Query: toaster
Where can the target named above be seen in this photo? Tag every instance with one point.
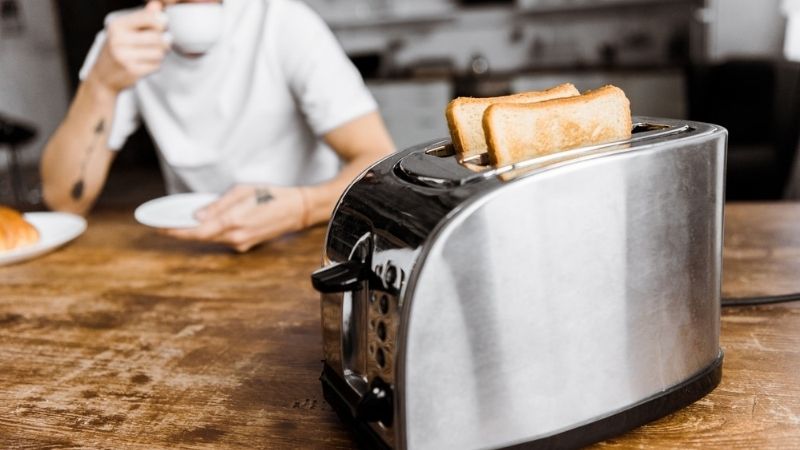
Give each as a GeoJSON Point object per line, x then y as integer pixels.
{"type": "Point", "coordinates": [551, 303]}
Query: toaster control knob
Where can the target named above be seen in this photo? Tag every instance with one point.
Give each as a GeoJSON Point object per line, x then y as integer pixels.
{"type": "Point", "coordinates": [376, 404]}
{"type": "Point", "coordinates": [391, 275]}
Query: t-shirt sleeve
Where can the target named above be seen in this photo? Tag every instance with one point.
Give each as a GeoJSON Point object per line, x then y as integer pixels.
{"type": "Point", "coordinates": [126, 113]}
{"type": "Point", "coordinates": [325, 83]}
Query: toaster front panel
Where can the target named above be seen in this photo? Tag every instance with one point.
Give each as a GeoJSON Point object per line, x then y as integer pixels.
{"type": "Point", "coordinates": [564, 298]}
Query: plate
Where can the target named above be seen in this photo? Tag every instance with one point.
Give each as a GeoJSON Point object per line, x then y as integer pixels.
{"type": "Point", "coordinates": [55, 230]}
{"type": "Point", "coordinates": [173, 211]}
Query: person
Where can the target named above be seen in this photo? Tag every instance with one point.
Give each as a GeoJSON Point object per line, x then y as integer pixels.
{"type": "Point", "coordinates": [274, 117]}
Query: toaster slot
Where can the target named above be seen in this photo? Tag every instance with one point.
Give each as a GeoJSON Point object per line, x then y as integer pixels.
{"type": "Point", "coordinates": [639, 131]}
{"type": "Point", "coordinates": [437, 165]}
{"type": "Point", "coordinates": [642, 133]}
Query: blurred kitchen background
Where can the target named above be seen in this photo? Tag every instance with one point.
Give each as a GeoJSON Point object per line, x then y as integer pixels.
{"type": "Point", "coordinates": [719, 61]}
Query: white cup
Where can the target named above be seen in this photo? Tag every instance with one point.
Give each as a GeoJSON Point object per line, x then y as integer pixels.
{"type": "Point", "coordinates": [194, 27]}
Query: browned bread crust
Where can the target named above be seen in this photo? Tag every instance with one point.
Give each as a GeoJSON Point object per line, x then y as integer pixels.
{"type": "Point", "coordinates": [464, 115]}
{"type": "Point", "coordinates": [515, 132]}
{"type": "Point", "coordinates": [15, 231]}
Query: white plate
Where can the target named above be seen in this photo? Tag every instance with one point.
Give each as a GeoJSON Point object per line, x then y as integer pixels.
{"type": "Point", "coordinates": [55, 230]}
{"type": "Point", "coordinates": [173, 211]}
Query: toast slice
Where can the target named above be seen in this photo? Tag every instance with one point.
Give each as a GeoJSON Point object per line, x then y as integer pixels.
{"type": "Point", "coordinates": [517, 132]}
{"type": "Point", "coordinates": [464, 116]}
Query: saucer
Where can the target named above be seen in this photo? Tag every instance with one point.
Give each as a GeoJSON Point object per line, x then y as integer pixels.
{"type": "Point", "coordinates": [173, 211]}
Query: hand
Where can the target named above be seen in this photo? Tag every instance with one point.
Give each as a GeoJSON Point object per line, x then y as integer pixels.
{"type": "Point", "coordinates": [247, 215]}
{"type": "Point", "coordinates": [134, 48]}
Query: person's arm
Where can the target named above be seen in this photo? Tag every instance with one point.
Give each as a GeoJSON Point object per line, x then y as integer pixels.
{"type": "Point", "coordinates": [359, 143]}
{"type": "Point", "coordinates": [76, 159]}
{"type": "Point", "coordinates": [250, 214]}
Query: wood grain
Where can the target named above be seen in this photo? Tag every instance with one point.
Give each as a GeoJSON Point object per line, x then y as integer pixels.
{"type": "Point", "coordinates": [125, 339]}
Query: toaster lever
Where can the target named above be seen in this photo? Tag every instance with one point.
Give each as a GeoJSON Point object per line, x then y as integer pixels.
{"type": "Point", "coordinates": [339, 277]}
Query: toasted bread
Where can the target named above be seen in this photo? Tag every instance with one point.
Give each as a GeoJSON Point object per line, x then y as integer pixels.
{"type": "Point", "coordinates": [15, 231]}
{"type": "Point", "coordinates": [516, 132]}
{"type": "Point", "coordinates": [464, 116]}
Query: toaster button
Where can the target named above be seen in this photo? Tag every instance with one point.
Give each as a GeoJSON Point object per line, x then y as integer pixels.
{"type": "Point", "coordinates": [376, 404]}
{"type": "Point", "coordinates": [391, 275]}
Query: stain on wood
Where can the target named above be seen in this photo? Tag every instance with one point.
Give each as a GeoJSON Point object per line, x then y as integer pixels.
{"type": "Point", "coordinates": [125, 339]}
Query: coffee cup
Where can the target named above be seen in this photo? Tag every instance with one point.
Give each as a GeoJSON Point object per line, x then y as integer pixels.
{"type": "Point", "coordinates": [194, 28]}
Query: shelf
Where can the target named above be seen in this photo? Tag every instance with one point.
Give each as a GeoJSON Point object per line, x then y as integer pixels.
{"type": "Point", "coordinates": [604, 7]}
{"type": "Point", "coordinates": [384, 19]}
{"type": "Point", "coordinates": [393, 21]}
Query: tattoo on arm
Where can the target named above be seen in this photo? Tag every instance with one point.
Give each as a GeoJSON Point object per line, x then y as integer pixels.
{"type": "Point", "coordinates": [263, 195]}
{"type": "Point", "coordinates": [77, 188]}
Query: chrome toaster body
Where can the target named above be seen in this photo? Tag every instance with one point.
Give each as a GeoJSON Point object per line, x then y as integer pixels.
{"type": "Point", "coordinates": [555, 302]}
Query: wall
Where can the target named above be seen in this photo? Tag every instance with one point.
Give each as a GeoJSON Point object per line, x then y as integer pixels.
{"type": "Point", "coordinates": [745, 28]}
{"type": "Point", "coordinates": [33, 86]}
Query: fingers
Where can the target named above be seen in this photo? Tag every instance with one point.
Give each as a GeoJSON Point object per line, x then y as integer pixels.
{"type": "Point", "coordinates": [231, 198]}
{"type": "Point", "coordinates": [148, 39]}
{"type": "Point", "coordinates": [139, 62]}
{"type": "Point", "coordinates": [222, 217]}
{"type": "Point", "coordinates": [154, 5]}
{"type": "Point", "coordinates": [239, 221]}
{"type": "Point", "coordinates": [122, 34]}
{"type": "Point", "coordinates": [149, 18]}
{"type": "Point", "coordinates": [209, 230]}
{"type": "Point", "coordinates": [142, 55]}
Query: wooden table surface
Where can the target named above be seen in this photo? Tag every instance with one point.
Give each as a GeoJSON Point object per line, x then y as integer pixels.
{"type": "Point", "coordinates": [125, 339]}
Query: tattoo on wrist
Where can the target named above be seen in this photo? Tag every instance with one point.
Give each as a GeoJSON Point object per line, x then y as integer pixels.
{"type": "Point", "coordinates": [263, 195]}
{"type": "Point", "coordinates": [77, 188]}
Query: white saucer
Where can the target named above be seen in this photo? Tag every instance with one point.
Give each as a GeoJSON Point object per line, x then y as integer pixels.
{"type": "Point", "coordinates": [55, 229]}
{"type": "Point", "coordinates": [173, 211]}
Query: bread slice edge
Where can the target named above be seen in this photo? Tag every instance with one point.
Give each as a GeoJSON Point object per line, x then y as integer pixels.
{"type": "Point", "coordinates": [460, 129]}
{"type": "Point", "coordinates": [506, 142]}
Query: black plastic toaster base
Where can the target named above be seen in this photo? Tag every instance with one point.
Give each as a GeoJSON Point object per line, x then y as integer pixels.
{"type": "Point", "coordinates": [334, 389]}
{"type": "Point", "coordinates": [651, 409]}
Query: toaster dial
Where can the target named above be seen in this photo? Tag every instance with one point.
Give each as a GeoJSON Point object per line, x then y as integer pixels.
{"type": "Point", "coordinates": [393, 277]}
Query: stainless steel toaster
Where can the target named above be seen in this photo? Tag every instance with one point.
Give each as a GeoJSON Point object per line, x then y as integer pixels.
{"type": "Point", "coordinates": [550, 303]}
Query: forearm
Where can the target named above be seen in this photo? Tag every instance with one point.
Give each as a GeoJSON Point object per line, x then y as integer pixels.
{"type": "Point", "coordinates": [360, 142]}
{"type": "Point", "coordinates": [76, 158]}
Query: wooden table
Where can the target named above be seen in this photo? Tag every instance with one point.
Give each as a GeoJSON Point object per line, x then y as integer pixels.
{"type": "Point", "coordinates": [125, 339]}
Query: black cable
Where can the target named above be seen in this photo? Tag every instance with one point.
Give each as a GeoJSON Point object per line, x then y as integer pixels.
{"type": "Point", "coordinates": [760, 300]}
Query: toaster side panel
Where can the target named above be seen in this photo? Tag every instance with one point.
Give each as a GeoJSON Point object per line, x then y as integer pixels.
{"type": "Point", "coordinates": [375, 236]}
{"type": "Point", "coordinates": [565, 297]}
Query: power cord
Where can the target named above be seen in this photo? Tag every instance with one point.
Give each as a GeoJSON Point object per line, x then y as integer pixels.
{"type": "Point", "coordinates": [760, 300]}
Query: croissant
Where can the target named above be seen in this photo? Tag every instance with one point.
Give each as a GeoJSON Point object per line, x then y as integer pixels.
{"type": "Point", "coordinates": [15, 231]}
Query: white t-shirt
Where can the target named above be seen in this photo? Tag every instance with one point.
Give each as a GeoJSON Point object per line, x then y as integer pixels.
{"type": "Point", "coordinates": [252, 109]}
